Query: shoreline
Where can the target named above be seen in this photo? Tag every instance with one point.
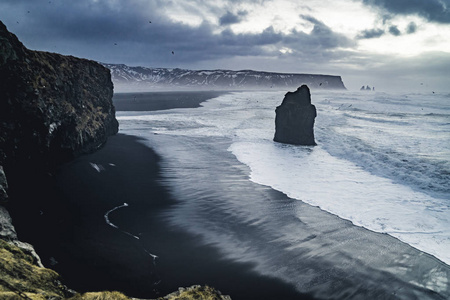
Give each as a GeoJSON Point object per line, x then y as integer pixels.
{"type": "Point", "coordinates": [139, 101]}
{"type": "Point", "coordinates": [93, 255]}
{"type": "Point", "coordinates": [72, 237]}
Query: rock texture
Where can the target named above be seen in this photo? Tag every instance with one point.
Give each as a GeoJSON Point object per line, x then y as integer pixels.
{"type": "Point", "coordinates": [294, 120]}
{"type": "Point", "coordinates": [52, 107]}
{"type": "Point", "coordinates": [196, 292]}
{"type": "Point", "coordinates": [3, 186]}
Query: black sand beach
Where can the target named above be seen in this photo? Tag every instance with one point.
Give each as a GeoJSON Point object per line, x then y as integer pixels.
{"type": "Point", "coordinates": [149, 101]}
{"type": "Point", "coordinates": [69, 230]}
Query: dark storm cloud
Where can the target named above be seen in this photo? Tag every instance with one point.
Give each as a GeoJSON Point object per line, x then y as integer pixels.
{"type": "Point", "coordinates": [143, 33]}
{"type": "Point", "coordinates": [394, 30]}
{"type": "Point", "coordinates": [371, 33]}
{"type": "Point", "coordinates": [432, 10]}
{"type": "Point", "coordinates": [230, 18]}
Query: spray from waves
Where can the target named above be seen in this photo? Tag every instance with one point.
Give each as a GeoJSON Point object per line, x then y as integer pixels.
{"type": "Point", "coordinates": [154, 257]}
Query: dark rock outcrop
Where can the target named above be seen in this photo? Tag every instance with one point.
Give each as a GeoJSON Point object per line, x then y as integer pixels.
{"type": "Point", "coordinates": [52, 107]}
{"type": "Point", "coordinates": [294, 120]}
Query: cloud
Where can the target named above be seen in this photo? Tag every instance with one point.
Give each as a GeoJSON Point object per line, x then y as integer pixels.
{"type": "Point", "coordinates": [393, 29]}
{"type": "Point", "coordinates": [230, 18]}
{"type": "Point", "coordinates": [432, 10]}
{"type": "Point", "coordinates": [411, 28]}
{"type": "Point", "coordinates": [115, 32]}
{"type": "Point", "coordinates": [370, 33]}
{"type": "Point", "coordinates": [324, 37]}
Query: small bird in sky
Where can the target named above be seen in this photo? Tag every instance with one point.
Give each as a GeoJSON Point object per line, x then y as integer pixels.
{"type": "Point", "coordinates": [149, 21]}
{"type": "Point", "coordinates": [173, 53]}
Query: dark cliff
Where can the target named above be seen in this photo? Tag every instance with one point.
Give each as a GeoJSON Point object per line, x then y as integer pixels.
{"type": "Point", "coordinates": [294, 120]}
{"type": "Point", "coordinates": [52, 107]}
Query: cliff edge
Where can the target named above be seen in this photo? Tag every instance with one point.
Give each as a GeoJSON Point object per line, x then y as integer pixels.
{"type": "Point", "coordinates": [52, 108]}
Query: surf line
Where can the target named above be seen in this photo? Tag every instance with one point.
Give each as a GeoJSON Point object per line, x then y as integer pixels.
{"type": "Point", "coordinates": [125, 232]}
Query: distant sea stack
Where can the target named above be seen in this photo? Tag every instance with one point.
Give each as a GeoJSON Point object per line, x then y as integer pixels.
{"type": "Point", "coordinates": [52, 107]}
{"type": "Point", "coordinates": [294, 120]}
{"type": "Point", "coordinates": [142, 78]}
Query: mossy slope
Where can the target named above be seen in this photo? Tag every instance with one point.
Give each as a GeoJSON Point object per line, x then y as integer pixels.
{"type": "Point", "coordinates": [21, 278]}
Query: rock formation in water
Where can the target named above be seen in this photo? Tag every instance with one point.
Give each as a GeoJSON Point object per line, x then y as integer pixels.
{"type": "Point", "coordinates": [294, 120]}
{"type": "Point", "coordinates": [52, 108]}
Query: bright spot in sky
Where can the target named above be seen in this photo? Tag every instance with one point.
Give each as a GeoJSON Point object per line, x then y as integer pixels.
{"type": "Point", "coordinates": [285, 50]}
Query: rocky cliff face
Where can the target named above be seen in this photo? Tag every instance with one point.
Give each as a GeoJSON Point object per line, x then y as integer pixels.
{"type": "Point", "coordinates": [294, 120]}
{"type": "Point", "coordinates": [52, 107]}
{"type": "Point", "coordinates": [125, 77]}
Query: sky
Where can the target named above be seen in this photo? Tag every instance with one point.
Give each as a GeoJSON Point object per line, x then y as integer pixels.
{"type": "Point", "coordinates": [391, 45]}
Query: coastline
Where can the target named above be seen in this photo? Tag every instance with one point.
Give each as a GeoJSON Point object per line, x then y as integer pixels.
{"type": "Point", "coordinates": [338, 257]}
{"type": "Point", "coordinates": [72, 237]}
{"type": "Point", "coordinates": [92, 255]}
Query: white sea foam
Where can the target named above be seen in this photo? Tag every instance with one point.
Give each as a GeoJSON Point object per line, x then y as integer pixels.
{"type": "Point", "coordinates": [383, 161]}
{"type": "Point", "coordinates": [110, 211]}
{"type": "Point", "coordinates": [107, 220]}
{"type": "Point", "coordinates": [342, 188]}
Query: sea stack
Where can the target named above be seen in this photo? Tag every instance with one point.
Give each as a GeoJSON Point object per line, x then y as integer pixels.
{"type": "Point", "coordinates": [294, 120]}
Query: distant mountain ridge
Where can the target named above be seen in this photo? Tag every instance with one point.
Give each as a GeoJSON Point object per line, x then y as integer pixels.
{"type": "Point", "coordinates": [125, 78]}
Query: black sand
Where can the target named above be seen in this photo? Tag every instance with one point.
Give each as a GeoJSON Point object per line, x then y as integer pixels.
{"type": "Point", "coordinates": [161, 100]}
{"type": "Point", "coordinates": [64, 219]}
{"type": "Point", "coordinates": [63, 216]}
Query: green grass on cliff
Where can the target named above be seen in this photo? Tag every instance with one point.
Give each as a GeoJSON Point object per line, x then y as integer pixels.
{"type": "Point", "coordinates": [100, 296]}
{"type": "Point", "coordinates": [196, 293]}
{"type": "Point", "coordinates": [21, 279]}
{"type": "Point", "coordinates": [191, 293]}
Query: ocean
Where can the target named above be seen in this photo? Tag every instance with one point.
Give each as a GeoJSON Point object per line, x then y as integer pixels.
{"type": "Point", "coordinates": [364, 214]}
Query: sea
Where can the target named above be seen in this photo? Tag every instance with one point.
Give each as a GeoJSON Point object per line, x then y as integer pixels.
{"type": "Point", "coordinates": [364, 214]}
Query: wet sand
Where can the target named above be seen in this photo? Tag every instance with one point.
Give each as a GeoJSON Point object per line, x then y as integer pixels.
{"type": "Point", "coordinates": [70, 233]}
{"type": "Point", "coordinates": [149, 101]}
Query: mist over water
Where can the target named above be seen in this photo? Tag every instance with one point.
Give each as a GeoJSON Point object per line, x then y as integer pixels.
{"type": "Point", "coordinates": [382, 162]}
